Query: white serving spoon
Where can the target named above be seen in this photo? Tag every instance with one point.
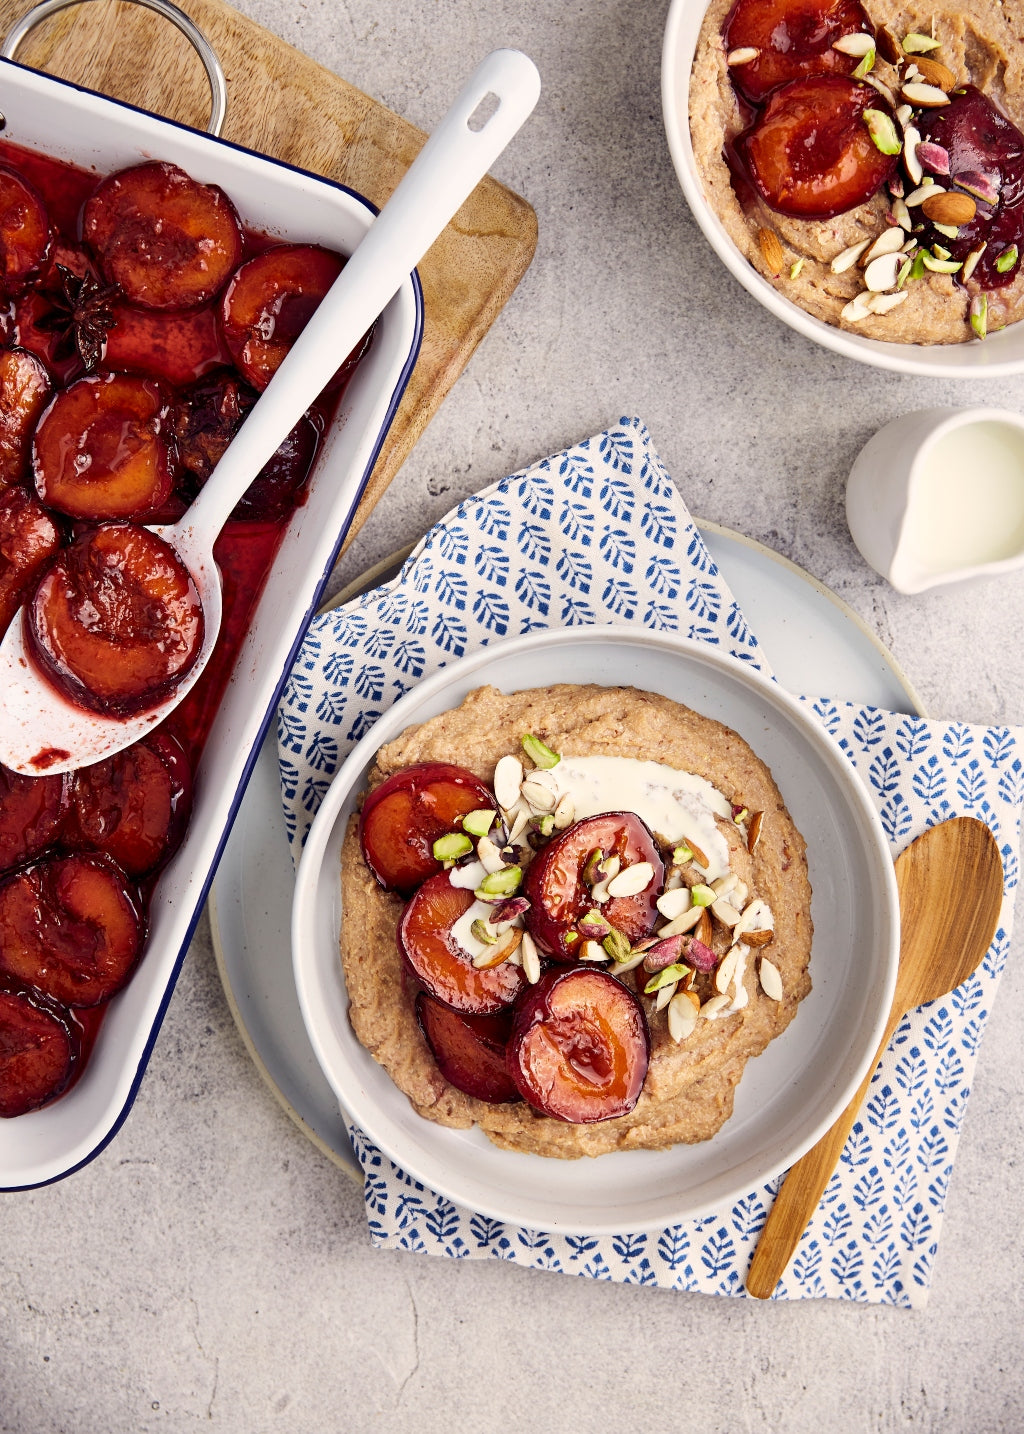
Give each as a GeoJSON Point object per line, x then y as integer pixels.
{"type": "Point", "coordinates": [40, 730]}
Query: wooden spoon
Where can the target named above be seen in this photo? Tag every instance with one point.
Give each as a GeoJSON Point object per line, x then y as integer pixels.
{"type": "Point", "coordinates": [950, 882]}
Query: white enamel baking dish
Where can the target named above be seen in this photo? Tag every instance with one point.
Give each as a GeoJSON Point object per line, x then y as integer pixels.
{"type": "Point", "coordinates": [93, 131]}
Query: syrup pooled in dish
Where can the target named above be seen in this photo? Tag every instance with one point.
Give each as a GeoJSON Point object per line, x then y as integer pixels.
{"type": "Point", "coordinates": [869, 161]}
{"type": "Point", "coordinates": [604, 937]}
{"type": "Point", "coordinates": [119, 392]}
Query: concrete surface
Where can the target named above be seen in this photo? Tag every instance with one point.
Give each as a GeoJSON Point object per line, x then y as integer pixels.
{"type": "Point", "coordinates": [211, 1268]}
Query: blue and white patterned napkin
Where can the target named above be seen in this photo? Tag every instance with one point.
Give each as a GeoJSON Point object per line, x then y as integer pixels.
{"type": "Point", "coordinates": [598, 534]}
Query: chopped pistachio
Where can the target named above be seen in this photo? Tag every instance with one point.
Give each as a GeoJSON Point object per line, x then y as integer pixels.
{"type": "Point", "coordinates": [905, 273]}
{"type": "Point", "coordinates": [882, 131]}
{"type": "Point", "coordinates": [979, 315]}
{"type": "Point", "coordinates": [702, 895]}
{"type": "Point", "coordinates": [451, 846]}
{"type": "Point", "coordinates": [794, 269]}
{"type": "Point", "coordinates": [681, 854]}
{"type": "Point", "coordinates": [940, 251]}
{"type": "Point", "coordinates": [571, 937]}
{"type": "Point", "coordinates": [590, 873]}
{"type": "Point", "coordinates": [478, 823]}
{"type": "Point", "coordinates": [865, 67]}
{"type": "Point", "coordinates": [544, 824]}
{"type": "Point", "coordinates": [917, 271]}
{"type": "Point", "coordinates": [668, 977]}
{"type": "Point", "coordinates": [617, 945]}
{"type": "Point", "coordinates": [484, 931]}
{"type": "Point", "coordinates": [940, 266]}
{"type": "Point", "coordinates": [539, 753]}
{"type": "Point", "coordinates": [948, 231]}
{"type": "Point", "coordinates": [1007, 259]}
{"type": "Point", "coordinates": [594, 925]}
{"type": "Point", "coordinates": [916, 44]}
{"type": "Point", "coordinates": [500, 883]}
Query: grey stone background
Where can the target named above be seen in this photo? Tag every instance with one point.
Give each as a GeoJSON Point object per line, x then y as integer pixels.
{"type": "Point", "coordinates": [211, 1267]}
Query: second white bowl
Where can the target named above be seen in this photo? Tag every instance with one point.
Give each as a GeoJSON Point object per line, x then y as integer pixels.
{"type": "Point", "coordinates": [1001, 353]}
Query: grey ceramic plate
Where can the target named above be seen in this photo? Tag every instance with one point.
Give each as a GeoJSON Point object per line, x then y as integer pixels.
{"type": "Point", "coordinates": [815, 643]}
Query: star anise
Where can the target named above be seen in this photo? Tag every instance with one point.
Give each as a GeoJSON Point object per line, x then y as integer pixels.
{"type": "Point", "coordinates": [81, 314]}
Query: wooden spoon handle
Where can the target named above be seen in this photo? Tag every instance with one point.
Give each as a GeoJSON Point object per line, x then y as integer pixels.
{"type": "Point", "coordinates": [804, 1186]}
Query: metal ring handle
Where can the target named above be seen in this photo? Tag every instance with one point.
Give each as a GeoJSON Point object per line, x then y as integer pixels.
{"type": "Point", "coordinates": [198, 41]}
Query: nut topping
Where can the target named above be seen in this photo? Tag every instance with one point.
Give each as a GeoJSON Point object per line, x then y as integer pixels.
{"type": "Point", "coordinates": [771, 251]}
{"type": "Point", "coordinates": [508, 778]}
{"type": "Point", "coordinates": [858, 44]}
{"type": "Point", "coordinates": [632, 880]}
{"type": "Point", "coordinates": [924, 97]}
{"type": "Point", "coordinates": [771, 981]}
{"type": "Point", "coordinates": [949, 208]}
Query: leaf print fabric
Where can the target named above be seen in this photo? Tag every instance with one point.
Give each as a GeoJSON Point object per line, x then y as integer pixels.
{"type": "Point", "coordinates": [595, 535]}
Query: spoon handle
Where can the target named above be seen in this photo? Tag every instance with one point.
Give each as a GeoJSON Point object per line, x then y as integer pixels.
{"type": "Point", "coordinates": [804, 1186]}
{"type": "Point", "coordinates": [448, 168]}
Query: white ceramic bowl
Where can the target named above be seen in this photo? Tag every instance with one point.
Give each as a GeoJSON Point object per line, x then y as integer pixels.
{"type": "Point", "coordinates": [1001, 353]}
{"type": "Point", "coordinates": [90, 130]}
{"type": "Point", "coordinates": [788, 1097]}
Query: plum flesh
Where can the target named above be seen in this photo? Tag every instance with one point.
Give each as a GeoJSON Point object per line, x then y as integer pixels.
{"type": "Point", "coordinates": [580, 1046]}
{"type": "Point", "coordinates": [560, 893]}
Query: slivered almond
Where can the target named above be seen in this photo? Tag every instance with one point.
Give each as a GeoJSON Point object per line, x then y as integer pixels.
{"type": "Point", "coordinates": [848, 257]}
{"type": "Point", "coordinates": [702, 931]}
{"type": "Point", "coordinates": [531, 958]}
{"type": "Point", "coordinates": [887, 243]}
{"type": "Point", "coordinates": [508, 776]}
{"type": "Point", "coordinates": [685, 921]}
{"type": "Point", "coordinates": [494, 956]}
{"type": "Point", "coordinates": [949, 208]}
{"type": "Point", "coordinates": [631, 880]}
{"type": "Point", "coordinates": [682, 1015]}
{"type": "Point", "coordinates": [924, 97]}
{"type": "Point", "coordinates": [857, 44]}
{"type": "Point", "coordinates": [771, 981]}
{"type": "Point", "coordinates": [771, 252]}
{"type": "Point", "coordinates": [754, 829]}
{"type": "Point", "coordinates": [743, 56]}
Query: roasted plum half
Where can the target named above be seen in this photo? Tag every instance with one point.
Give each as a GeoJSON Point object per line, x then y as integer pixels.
{"type": "Point", "coordinates": [559, 883]}
{"type": "Point", "coordinates": [103, 449]}
{"type": "Point", "coordinates": [403, 817]}
{"type": "Point", "coordinates": [32, 815]}
{"type": "Point", "coordinates": [71, 926]}
{"type": "Point", "coordinates": [29, 539]}
{"type": "Point", "coordinates": [166, 240]}
{"type": "Point", "coordinates": [580, 1046]}
{"type": "Point", "coordinates": [469, 1050]}
{"type": "Point", "coordinates": [25, 387]}
{"type": "Point", "coordinates": [117, 621]}
{"type": "Point", "coordinates": [427, 941]}
{"type": "Point", "coordinates": [793, 40]}
{"type": "Point", "coordinates": [809, 153]}
{"type": "Point", "coordinates": [986, 159]}
{"type": "Point", "coordinates": [270, 301]}
{"type": "Point", "coordinates": [40, 1043]}
{"type": "Point", "coordinates": [24, 232]}
{"type": "Point", "coordinates": [178, 348]}
{"type": "Point", "coordinates": [134, 806]}
{"type": "Point", "coordinates": [207, 421]}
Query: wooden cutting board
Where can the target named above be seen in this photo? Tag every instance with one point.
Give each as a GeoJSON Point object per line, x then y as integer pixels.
{"type": "Point", "coordinates": [283, 104]}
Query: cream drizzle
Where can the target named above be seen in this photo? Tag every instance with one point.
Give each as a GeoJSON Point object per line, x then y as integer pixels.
{"type": "Point", "coordinates": [678, 806]}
